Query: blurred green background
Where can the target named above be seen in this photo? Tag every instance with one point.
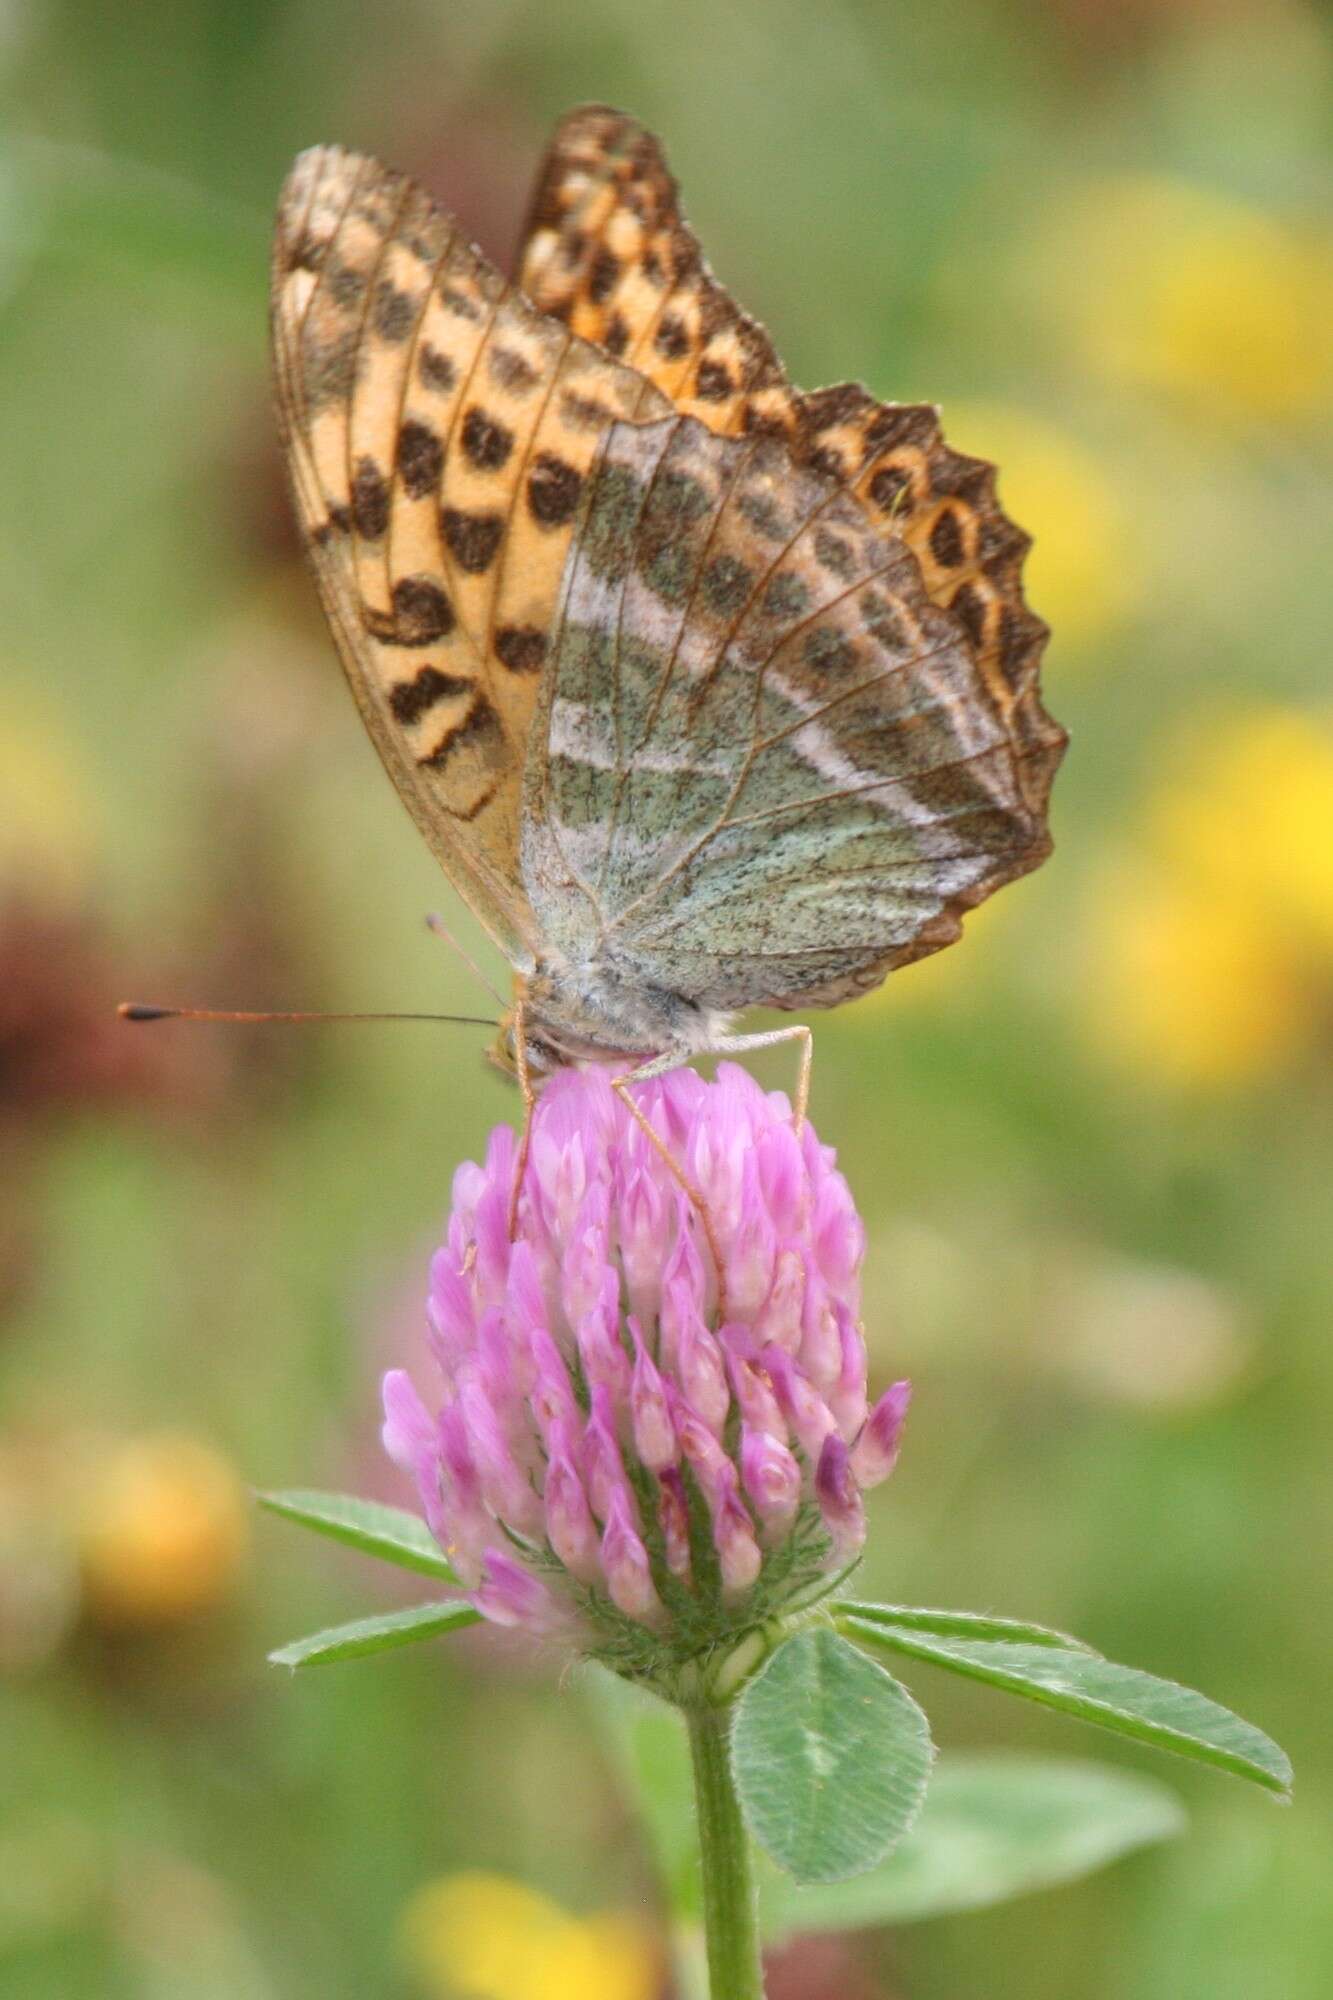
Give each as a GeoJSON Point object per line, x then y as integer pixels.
{"type": "Point", "coordinates": [1091, 1142]}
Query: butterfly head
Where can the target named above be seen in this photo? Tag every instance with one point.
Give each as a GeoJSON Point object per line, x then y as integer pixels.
{"type": "Point", "coordinates": [541, 1057]}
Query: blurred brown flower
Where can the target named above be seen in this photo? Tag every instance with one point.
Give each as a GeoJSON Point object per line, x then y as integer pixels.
{"type": "Point", "coordinates": [822, 1968]}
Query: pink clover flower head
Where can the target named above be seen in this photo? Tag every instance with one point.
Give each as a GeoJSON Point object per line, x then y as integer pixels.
{"type": "Point", "coordinates": [650, 1433]}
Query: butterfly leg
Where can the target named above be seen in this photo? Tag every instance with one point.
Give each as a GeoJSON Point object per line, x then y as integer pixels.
{"type": "Point", "coordinates": [738, 1045]}
{"type": "Point", "coordinates": [524, 1077]}
{"type": "Point", "coordinates": [693, 1195]}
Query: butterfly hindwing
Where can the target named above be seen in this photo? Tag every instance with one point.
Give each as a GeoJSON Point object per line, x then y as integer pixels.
{"type": "Point", "coordinates": [609, 250]}
{"type": "Point", "coordinates": [764, 759]}
{"type": "Point", "coordinates": [438, 432]}
{"type": "Point", "coordinates": [943, 505]}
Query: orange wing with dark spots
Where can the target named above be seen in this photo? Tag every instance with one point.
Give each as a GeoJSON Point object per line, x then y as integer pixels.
{"type": "Point", "coordinates": [438, 432]}
{"type": "Point", "coordinates": [609, 253]}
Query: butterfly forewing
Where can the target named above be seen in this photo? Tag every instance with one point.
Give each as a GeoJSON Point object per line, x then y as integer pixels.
{"type": "Point", "coordinates": [609, 252]}
{"type": "Point", "coordinates": [765, 761]}
{"type": "Point", "coordinates": [438, 432]}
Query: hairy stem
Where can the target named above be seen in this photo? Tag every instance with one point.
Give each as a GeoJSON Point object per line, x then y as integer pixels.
{"type": "Point", "coordinates": [731, 1915]}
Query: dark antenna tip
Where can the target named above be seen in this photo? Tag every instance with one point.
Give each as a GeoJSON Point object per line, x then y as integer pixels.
{"type": "Point", "coordinates": [141, 1010]}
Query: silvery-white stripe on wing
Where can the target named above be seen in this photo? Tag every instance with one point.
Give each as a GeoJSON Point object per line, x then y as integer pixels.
{"type": "Point", "coordinates": [586, 736]}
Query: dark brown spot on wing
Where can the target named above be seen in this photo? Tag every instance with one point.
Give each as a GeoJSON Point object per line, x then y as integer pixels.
{"type": "Point", "coordinates": [409, 700]}
{"type": "Point", "coordinates": [827, 652]}
{"type": "Point", "coordinates": [553, 490]}
{"type": "Point", "coordinates": [946, 540]}
{"type": "Point", "coordinates": [713, 383]}
{"type": "Point", "coordinates": [458, 303]}
{"type": "Point", "coordinates": [726, 586]}
{"type": "Point", "coordinates": [370, 500]}
{"type": "Point", "coordinates": [480, 728]}
{"type": "Point", "coordinates": [521, 648]}
{"type": "Point", "coordinates": [604, 275]}
{"type": "Point", "coordinates": [338, 521]}
{"type": "Point", "coordinates": [394, 313]}
{"type": "Point", "coordinates": [486, 442]}
{"type": "Point", "coordinates": [616, 337]}
{"type": "Point", "coordinates": [786, 598]}
{"type": "Point", "coordinates": [888, 486]}
{"type": "Point", "coordinates": [345, 286]}
{"type": "Point", "coordinates": [512, 371]}
{"type": "Point", "coordinates": [420, 458]}
{"type": "Point", "coordinates": [763, 515]}
{"type": "Point", "coordinates": [672, 339]}
{"type": "Point", "coordinates": [826, 459]}
{"type": "Point", "coordinates": [422, 612]}
{"type": "Point", "coordinates": [436, 370]}
{"type": "Point", "coordinates": [881, 618]}
{"type": "Point", "coordinates": [834, 553]}
{"type": "Point", "coordinates": [472, 539]}
{"type": "Point", "coordinates": [584, 413]}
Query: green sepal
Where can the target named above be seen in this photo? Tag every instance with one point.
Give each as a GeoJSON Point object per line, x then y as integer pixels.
{"type": "Point", "coordinates": [1095, 1690]}
{"type": "Point", "coordinates": [390, 1533]}
{"type": "Point", "coordinates": [831, 1758]}
{"type": "Point", "coordinates": [379, 1634]}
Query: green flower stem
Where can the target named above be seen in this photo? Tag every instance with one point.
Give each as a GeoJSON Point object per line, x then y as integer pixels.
{"type": "Point", "coordinates": [731, 1909]}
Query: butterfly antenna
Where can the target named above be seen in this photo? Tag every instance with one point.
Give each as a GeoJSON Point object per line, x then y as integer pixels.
{"type": "Point", "coordinates": [139, 1010]}
{"type": "Point", "coordinates": [437, 924]}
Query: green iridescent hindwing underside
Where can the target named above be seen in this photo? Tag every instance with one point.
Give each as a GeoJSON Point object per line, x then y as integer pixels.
{"type": "Point", "coordinates": [763, 762]}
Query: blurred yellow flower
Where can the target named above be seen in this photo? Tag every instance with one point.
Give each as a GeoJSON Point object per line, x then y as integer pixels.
{"type": "Point", "coordinates": [475, 1936]}
{"type": "Point", "coordinates": [1250, 807]}
{"type": "Point", "coordinates": [1081, 575]}
{"type": "Point", "coordinates": [1211, 958]}
{"type": "Point", "coordinates": [1220, 304]}
{"type": "Point", "coordinates": [166, 1532]}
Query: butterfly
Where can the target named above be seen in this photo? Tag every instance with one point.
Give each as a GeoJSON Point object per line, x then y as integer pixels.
{"type": "Point", "coordinates": [707, 693]}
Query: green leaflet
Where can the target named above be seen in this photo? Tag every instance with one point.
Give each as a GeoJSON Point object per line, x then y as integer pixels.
{"type": "Point", "coordinates": [378, 1634]}
{"type": "Point", "coordinates": [1095, 1690]}
{"type": "Point", "coordinates": [993, 1826]}
{"type": "Point", "coordinates": [964, 1625]}
{"type": "Point", "coordinates": [831, 1758]}
{"type": "Point", "coordinates": [390, 1533]}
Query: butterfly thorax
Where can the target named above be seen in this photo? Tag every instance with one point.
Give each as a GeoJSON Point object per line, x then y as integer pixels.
{"type": "Point", "coordinates": [588, 1012]}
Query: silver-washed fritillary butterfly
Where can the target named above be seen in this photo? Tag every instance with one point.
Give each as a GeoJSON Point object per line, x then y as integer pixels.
{"type": "Point", "coordinates": [707, 693]}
